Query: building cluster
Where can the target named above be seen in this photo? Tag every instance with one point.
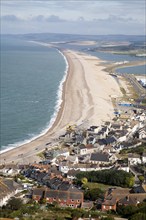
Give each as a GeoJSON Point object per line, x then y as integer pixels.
{"type": "Point", "coordinates": [121, 196]}
{"type": "Point", "coordinates": [91, 149]}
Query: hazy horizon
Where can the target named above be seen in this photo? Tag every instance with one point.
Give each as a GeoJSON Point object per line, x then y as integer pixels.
{"type": "Point", "coordinates": [106, 17]}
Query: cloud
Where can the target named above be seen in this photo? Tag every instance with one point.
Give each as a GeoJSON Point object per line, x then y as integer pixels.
{"type": "Point", "coordinates": [73, 16]}
{"type": "Point", "coordinates": [54, 18]}
{"type": "Point", "coordinates": [10, 18]}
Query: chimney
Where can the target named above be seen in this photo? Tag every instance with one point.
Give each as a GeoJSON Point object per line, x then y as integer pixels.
{"type": "Point", "coordinates": [127, 198]}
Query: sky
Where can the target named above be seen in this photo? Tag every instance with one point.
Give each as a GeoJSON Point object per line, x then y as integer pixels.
{"type": "Point", "coordinates": [96, 17]}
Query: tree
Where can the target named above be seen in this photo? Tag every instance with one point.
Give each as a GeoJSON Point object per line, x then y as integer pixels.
{"type": "Point", "coordinates": [141, 178]}
{"type": "Point", "coordinates": [93, 194]}
{"type": "Point", "coordinates": [111, 177]}
{"type": "Point", "coordinates": [14, 203]}
{"type": "Point", "coordinates": [129, 181]}
{"type": "Point", "coordinates": [127, 211]}
{"type": "Point", "coordinates": [84, 180]}
{"type": "Point", "coordinates": [138, 216]}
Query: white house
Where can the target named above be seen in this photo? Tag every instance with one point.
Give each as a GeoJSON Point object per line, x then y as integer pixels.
{"type": "Point", "coordinates": [125, 168]}
{"type": "Point", "coordinates": [134, 159]}
{"type": "Point", "coordinates": [144, 158]}
{"type": "Point", "coordinates": [73, 159]}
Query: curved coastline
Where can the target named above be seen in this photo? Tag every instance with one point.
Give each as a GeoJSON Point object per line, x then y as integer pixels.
{"type": "Point", "coordinates": [83, 97]}
{"type": "Point", "coordinates": [54, 115]}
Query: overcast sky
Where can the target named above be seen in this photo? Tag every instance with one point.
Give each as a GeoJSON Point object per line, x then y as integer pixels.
{"type": "Point", "coordinates": [73, 16]}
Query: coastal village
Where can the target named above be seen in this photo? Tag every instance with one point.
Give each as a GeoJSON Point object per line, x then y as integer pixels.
{"type": "Point", "coordinates": [88, 171]}
{"type": "Point", "coordinates": [118, 145]}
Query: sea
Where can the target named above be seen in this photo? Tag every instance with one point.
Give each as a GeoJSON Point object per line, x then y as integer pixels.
{"type": "Point", "coordinates": [31, 89]}
{"type": "Point", "coordinates": [32, 77]}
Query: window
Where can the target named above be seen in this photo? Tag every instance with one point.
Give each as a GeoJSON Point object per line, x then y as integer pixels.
{"type": "Point", "coordinates": [72, 200]}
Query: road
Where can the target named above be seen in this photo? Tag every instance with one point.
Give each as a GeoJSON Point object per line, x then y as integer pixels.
{"type": "Point", "coordinates": [136, 85]}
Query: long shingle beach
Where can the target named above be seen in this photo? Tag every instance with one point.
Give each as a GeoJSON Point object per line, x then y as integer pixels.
{"type": "Point", "coordinates": [86, 96]}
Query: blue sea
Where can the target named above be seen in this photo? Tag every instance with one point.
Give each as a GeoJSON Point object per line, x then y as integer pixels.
{"type": "Point", "coordinates": [32, 76]}
{"type": "Point", "coordinates": [31, 86]}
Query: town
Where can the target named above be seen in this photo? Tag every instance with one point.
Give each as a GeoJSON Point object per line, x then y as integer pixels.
{"type": "Point", "coordinates": [98, 168]}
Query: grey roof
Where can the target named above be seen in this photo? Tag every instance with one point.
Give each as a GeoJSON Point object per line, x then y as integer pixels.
{"type": "Point", "coordinates": [110, 140]}
{"type": "Point", "coordinates": [73, 172]}
{"type": "Point", "coordinates": [82, 146]}
{"type": "Point", "coordinates": [60, 194]}
{"type": "Point", "coordinates": [107, 123]}
{"type": "Point", "coordinates": [64, 186]}
{"type": "Point", "coordinates": [38, 191]}
{"type": "Point", "coordinates": [104, 129]}
{"type": "Point", "coordinates": [87, 205]}
{"type": "Point", "coordinates": [116, 126]}
{"type": "Point", "coordinates": [93, 127]}
{"type": "Point", "coordinates": [73, 189]}
{"type": "Point", "coordinates": [128, 200]}
{"type": "Point", "coordinates": [99, 157]}
{"type": "Point", "coordinates": [9, 183]}
{"type": "Point", "coordinates": [41, 175]}
{"type": "Point", "coordinates": [101, 142]}
{"type": "Point", "coordinates": [139, 189]}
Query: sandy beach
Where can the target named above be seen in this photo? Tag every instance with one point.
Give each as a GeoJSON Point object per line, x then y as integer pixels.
{"type": "Point", "coordinates": [86, 96]}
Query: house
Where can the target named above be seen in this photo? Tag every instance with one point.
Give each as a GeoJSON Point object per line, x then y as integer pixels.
{"type": "Point", "coordinates": [109, 204]}
{"type": "Point", "coordinates": [72, 159]}
{"type": "Point", "coordinates": [63, 152]}
{"type": "Point", "coordinates": [127, 200]}
{"type": "Point", "coordinates": [38, 194]}
{"type": "Point", "coordinates": [93, 129]}
{"type": "Point", "coordinates": [86, 149]}
{"type": "Point", "coordinates": [113, 158]}
{"type": "Point", "coordinates": [87, 205]}
{"type": "Point", "coordinates": [123, 167]}
{"type": "Point", "coordinates": [103, 132]}
{"type": "Point", "coordinates": [78, 139]}
{"type": "Point", "coordinates": [8, 188]}
{"type": "Point", "coordinates": [139, 189]}
{"type": "Point", "coordinates": [64, 166]}
{"type": "Point", "coordinates": [134, 159]}
{"type": "Point", "coordinates": [108, 124]}
{"type": "Point", "coordinates": [116, 126]}
{"type": "Point", "coordinates": [40, 176]}
{"type": "Point", "coordinates": [111, 140]}
{"type": "Point", "coordinates": [10, 169]}
{"type": "Point", "coordinates": [72, 174]}
{"type": "Point", "coordinates": [121, 196]}
{"type": "Point", "coordinates": [99, 158]}
{"type": "Point", "coordinates": [111, 198]}
{"type": "Point", "coordinates": [91, 140]}
{"type": "Point", "coordinates": [144, 157]}
{"type": "Point", "coordinates": [121, 135]}
{"type": "Point", "coordinates": [71, 197]}
{"type": "Point", "coordinates": [82, 149]}
{"type": "Point", "coordinates": [132, 199]}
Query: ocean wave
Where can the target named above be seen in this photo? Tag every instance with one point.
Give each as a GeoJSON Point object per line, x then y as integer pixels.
{"type": "Point", "coordinates": [59, 93]}
{"type": "Point", "coordinates": [53, 117]}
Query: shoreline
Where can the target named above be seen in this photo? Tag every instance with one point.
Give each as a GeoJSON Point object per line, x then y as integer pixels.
{"type": "Point", "coordinates": [114, 67]}
{"type": "Point", "coordinates": [80, 103]}
{"type": "Point", "coordinates": [57, 107]}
